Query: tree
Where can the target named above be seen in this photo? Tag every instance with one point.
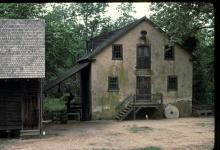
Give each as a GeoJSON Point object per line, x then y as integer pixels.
{"type": "Point", "coordinates": [21, 10]}
{"type": "Point", "coordinates": [125, 10]}
{"type": "Point", "coordinates": [63, 40]}
{"type": "Point", "coordinates": [125, 17]}
{"type": "Point", "coordinates": [90, 17]}
{"type": "Point", "coordinates": [192, 25]}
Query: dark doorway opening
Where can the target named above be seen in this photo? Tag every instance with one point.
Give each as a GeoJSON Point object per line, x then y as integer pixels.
{"type": "Point", "coordinates": [143, 91]}
{"type": "Point", "coordinates": [86, 93]}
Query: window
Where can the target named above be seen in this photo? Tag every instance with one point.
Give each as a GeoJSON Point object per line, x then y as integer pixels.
{"type": "Point", "coordinates": [143, 57]}
{"type": "Point", "coordinates": [117, 51]}
{"type": "Point", "coordinates": [172, 83]}
{"type": "Point", "coordinates": [113, 83]}
{"type": "Point", "coordinates": [169, 52]}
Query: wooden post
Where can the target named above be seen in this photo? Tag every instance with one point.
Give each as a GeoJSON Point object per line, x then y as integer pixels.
{"type": "Point", "coordinates": [161, 99]}
{"type": "Point", "coordinates": [41, 104]}
{"type": "Point", "coordinates": [59, 88]}
{"type": "Point", "coordinates": [134, 115]}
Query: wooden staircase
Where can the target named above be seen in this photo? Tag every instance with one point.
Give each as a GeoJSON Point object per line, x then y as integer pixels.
{"type": "Point", "coordinates": [124, 112]}
{"type": "Point", "coordinates": [130, 104]}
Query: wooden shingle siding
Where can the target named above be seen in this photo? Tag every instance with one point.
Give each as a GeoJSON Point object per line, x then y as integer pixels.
{"type": "Point", "coordinates": [22, 48]}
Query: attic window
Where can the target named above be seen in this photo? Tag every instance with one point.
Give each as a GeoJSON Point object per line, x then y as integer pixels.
{"type": "Point", "coordinates": [143, 33]}
{"type": "Point", "coordinates": [117, 52]}
{"type": "Point", "coordinates": [169, 52]}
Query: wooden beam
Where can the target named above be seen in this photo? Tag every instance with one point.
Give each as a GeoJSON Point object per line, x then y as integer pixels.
{"type": "Point", "coordinates": [59, 88]}
{"type": "Point", "coordinates": [134, 115]}
{"type": "Point", "coordinates": [41, 104]}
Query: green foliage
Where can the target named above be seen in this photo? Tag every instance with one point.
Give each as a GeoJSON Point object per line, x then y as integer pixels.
{"type": "Point", "coordinates": [151, 148]}
{"type": "Point", "coordinates": [54, 104]}
{"type": "Point", "coordinates": [135, 129]}
{"type": "Point", "coordinates": [21, 10]}
{"type": "Point", "coordinates": [192, 24]}
{"type": "Point", "coordinates": [125, 10]}
{"type": "Point", "coordinates": [90, 14]}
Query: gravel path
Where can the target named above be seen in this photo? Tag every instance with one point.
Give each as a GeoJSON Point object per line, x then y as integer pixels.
{"type": "Point", "coordinates": [177, 134]}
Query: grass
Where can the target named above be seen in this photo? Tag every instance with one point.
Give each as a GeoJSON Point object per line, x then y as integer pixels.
{"type": "Point", "coordinates": [55, 104]}
{"type": "Point", "coordinates": [151, 148]}
{"type": "Point", "coordinates": [136, 129]}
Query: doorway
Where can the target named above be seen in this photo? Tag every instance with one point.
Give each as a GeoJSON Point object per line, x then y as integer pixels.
{"type": "Point", "coordinates": [143, 88]}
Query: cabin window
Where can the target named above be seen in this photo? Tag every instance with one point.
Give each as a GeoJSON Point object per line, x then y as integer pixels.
{"type": "Point", "coordinates": [113, 83]}
{"type": "Point", "coordinates": [172, 83]}
{"type": "Point", "coordinates": [117, 51]}
{"type": "Point", "coordinates": [169, 52]}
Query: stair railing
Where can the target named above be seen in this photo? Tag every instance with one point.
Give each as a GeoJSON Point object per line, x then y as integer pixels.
{"type": "Point", "coordinates": [156, 98]}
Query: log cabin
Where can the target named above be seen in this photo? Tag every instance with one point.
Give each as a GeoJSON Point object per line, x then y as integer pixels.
{"type": "Point", "coordinates": [22, 70]}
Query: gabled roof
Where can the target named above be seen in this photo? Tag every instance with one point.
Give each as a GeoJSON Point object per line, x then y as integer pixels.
{"type": "Point", "coordinates": [22, 48]}
{"type": "Point", "coordinates": [116, 34]}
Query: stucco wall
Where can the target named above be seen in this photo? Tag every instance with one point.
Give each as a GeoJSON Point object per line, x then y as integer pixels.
{"type": "Point", "coordinates": [104, 102]}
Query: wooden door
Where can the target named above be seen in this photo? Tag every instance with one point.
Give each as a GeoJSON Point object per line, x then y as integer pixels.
{"type": "Point", "coordinates": [30, 112]}
{"type": "Point", "coordinates": [143, 57]}
{"type": "Point", "coordinates": [143, 88]}
{"type": "Point", "coordinates": [10, 105]}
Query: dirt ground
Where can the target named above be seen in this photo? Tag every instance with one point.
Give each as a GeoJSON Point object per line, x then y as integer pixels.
{"type": "Point", "coordinates": [166, 134]}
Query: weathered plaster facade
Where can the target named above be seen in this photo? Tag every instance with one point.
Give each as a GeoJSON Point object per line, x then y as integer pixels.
{"type": "Point", "coordinates": [104, 101]}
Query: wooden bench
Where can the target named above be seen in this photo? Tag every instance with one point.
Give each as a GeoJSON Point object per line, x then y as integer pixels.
{"type": "Point", "coordinates": [204, 112]}
{"type": "Point", "coordinates": [77, 114]}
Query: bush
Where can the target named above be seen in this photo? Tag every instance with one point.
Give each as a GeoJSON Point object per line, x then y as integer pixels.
{"type": "Point", "coordinates": [55, 104]}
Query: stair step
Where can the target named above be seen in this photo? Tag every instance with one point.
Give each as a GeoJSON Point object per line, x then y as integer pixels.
{"type": "Point", "coordinates": [122, 113]}
{"type": "Point", "coordinates": [117, 118]}
{"type": "Point", "coordinates": [29, 133]}
{"type": "Point", "coordinates": [124, 110]}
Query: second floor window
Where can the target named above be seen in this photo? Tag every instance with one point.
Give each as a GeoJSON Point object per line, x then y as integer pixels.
{"type": "Point", "coordinates": [143, 57]}
{"type": "Point", "coordinates": [169, 52]}
{"type": "Point", "coordinates": [117, 51]}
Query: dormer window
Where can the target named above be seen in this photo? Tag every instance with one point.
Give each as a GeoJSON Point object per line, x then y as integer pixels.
{"type": "Point", "coordinates": [169, 52]}
{"type": "Point", "coordinates": [117, 52]}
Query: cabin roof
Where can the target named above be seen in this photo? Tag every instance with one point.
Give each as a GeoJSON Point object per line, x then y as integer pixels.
{"type": "Point", "coordinates": [116, 34]}
{"type": "Point", "coordinates": [22, 48]}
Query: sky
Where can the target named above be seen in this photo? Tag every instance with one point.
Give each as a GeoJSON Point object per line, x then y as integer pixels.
{"type": "Point", "coordinates": [142, 9]}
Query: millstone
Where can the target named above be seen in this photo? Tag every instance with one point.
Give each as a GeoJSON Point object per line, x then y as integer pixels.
{"type": "Point", "coordinates": [171, 112]}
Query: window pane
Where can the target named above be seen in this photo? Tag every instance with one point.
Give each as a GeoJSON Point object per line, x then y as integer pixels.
{"type": "Point", "coordinates": [117, 51]}
{"type": "Point", "coordinates": [168, 52]}
{"type": "Point", "coordinates": [113, 83]}
{"type": "Point", "coordinates": [172, 83]}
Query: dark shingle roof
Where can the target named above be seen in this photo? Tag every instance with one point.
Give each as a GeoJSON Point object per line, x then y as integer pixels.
{"type": "Point", "coordinates": [22, 48]}
{"type": "Point", "coordinates": [116, 34]}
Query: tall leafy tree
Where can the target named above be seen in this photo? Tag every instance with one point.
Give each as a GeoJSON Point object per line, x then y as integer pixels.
{"type": "Point", "coordinates": [63, 40]}
{"type": "Point", "coordinates": [21, 10]}
{"type": "Point", "coordinates": [90, 17]}
{"type": "Point", "coordinates": [125, 17]}
{"type": "Point", "coordinates": [125, 10]}
{"type": "Point", "coordinates": [191, 24]}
